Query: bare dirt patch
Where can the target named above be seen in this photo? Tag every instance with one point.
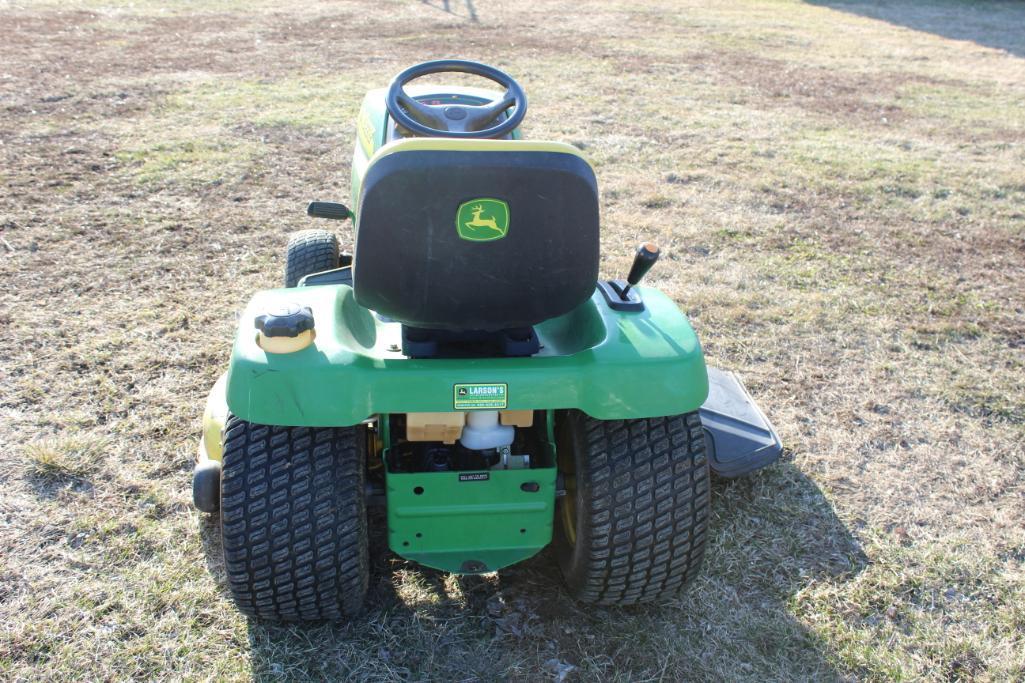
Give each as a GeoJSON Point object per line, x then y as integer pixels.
{"type": "Point", "coordinates": [859, 96]}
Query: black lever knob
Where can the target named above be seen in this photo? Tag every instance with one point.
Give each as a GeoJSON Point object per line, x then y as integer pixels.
{"type": "Point", "coordinates": [644, 259]}
{"type": "Point", "coordinates": [332, 210]}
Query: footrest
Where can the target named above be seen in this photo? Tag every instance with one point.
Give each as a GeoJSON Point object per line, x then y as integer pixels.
{"type": "Point", "coordinates": [739, 438]}
{"type": "Point", "coordinates": [338, 276]}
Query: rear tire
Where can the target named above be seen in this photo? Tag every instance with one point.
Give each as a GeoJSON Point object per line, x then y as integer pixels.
{"type": "Point", "coordinates": [310, 251]}
{"type": "Point", "coordinates": [632, 525]}
{"type": "Point", "coordinates": [293, 521]}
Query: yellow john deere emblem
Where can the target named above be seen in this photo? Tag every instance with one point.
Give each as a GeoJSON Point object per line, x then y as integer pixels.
{"type": "Point", "coordinates": [482, 220]}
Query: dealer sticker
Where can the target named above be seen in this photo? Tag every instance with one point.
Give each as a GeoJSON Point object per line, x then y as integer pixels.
{"type": "Point", "coordinates": [481, 396]}
{"type": "Point", "coordinates": [474, 476]}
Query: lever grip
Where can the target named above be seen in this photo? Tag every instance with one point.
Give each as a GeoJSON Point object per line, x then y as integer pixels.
{"type": "Point", "coordinates": [644, 259]}
{"type": "Point", "coordinates": [332, 210]}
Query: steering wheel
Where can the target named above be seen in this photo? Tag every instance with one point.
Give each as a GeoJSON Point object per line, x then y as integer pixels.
{"type": "Point", "coordinates": [456, 120]}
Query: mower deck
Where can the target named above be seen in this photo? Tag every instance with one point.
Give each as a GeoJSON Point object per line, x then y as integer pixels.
{"type": "Point", "coordinates": [738, 436]}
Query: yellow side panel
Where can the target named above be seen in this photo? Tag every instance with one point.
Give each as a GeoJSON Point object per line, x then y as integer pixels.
{"type": "Point", "coordinates": [214, 417]}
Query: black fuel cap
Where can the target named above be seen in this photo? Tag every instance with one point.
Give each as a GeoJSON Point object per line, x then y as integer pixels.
{"type": "Point", "coordinates": [289, 320]}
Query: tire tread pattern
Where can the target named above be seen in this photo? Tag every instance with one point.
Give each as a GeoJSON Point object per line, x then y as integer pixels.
{"type": "Point", "coordinates": [309, 251]}
{"type": "Point", "coordinates": [293, 521]}
{"type": "Point", "coordinates": [643, 508]}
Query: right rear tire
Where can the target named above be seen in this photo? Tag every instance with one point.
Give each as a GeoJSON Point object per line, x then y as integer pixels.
{"type": "Point", "coordinates": [633, 523]}
{"type": "Point", "coordinates": [293, 521]}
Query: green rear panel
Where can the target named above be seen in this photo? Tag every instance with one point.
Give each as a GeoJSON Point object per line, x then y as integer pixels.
{"type": "Point", "coordinates": [470, 526]}
{"type": "Point", "coordinates": [612, 365]}
{"type": "Point", "coordinates": [473, 522]}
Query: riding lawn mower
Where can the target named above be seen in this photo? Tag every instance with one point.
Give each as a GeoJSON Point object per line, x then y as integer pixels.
{"type": "Point", "coordinates": [468, 370]}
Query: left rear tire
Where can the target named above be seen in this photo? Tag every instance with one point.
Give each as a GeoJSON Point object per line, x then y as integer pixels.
{"type": "Point", "coordinates": [293, 521]}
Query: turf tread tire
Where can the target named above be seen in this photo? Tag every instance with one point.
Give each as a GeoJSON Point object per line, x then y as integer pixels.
{"type": "Point", "coordinates": [293, 521]}
{"type": "Point", "coordinates": [642, 507]}
{"type": "Point", "coordinates": [309, 251]}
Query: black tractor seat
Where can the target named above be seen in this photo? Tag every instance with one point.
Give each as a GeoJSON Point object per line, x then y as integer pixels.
{"type": "Point", "coordinates": [475, 235]}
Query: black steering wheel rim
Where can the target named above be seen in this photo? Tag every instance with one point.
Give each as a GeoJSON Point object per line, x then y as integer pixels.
{"type": "Point", "coordinates": [398, 101]}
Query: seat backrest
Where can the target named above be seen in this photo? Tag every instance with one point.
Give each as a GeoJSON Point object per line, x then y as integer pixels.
{"type": "Point", "coordinates": [476, 234]}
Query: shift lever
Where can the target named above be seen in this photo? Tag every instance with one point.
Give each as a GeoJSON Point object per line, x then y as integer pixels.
{"type": "Point", "coordinates": [644, 259]}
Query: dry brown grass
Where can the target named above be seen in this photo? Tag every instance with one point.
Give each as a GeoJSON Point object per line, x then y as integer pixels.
{"type": "Point", "coordinates": [839, 192]}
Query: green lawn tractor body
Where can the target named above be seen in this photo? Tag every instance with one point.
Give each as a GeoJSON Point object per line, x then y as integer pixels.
{"type": "Point", "coordinates": [467, 370]}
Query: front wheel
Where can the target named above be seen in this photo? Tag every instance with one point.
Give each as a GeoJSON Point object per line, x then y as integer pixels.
{"type": "Point", "coordinates": [293, 521]}
{"type": "Point", "coordinates": [309, 252]}
{"type": "Point", "coordinates": [632, 525]}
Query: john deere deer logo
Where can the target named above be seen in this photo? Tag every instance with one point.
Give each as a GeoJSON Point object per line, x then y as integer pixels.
{"type": "Point", "coordinates": [482, 220]}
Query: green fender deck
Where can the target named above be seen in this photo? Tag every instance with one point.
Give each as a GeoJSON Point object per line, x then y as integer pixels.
{"type": "Point", "coordinates": [611, 365]}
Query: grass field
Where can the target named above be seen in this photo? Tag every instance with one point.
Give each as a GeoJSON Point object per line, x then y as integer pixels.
{"type": "Point", "coordinates": [839, 191]}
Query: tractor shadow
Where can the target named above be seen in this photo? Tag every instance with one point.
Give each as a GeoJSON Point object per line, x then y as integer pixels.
{"type": "Point", "coordinates": [990, 24]}
{"type": "Point", "coordinates": [771, 536]}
